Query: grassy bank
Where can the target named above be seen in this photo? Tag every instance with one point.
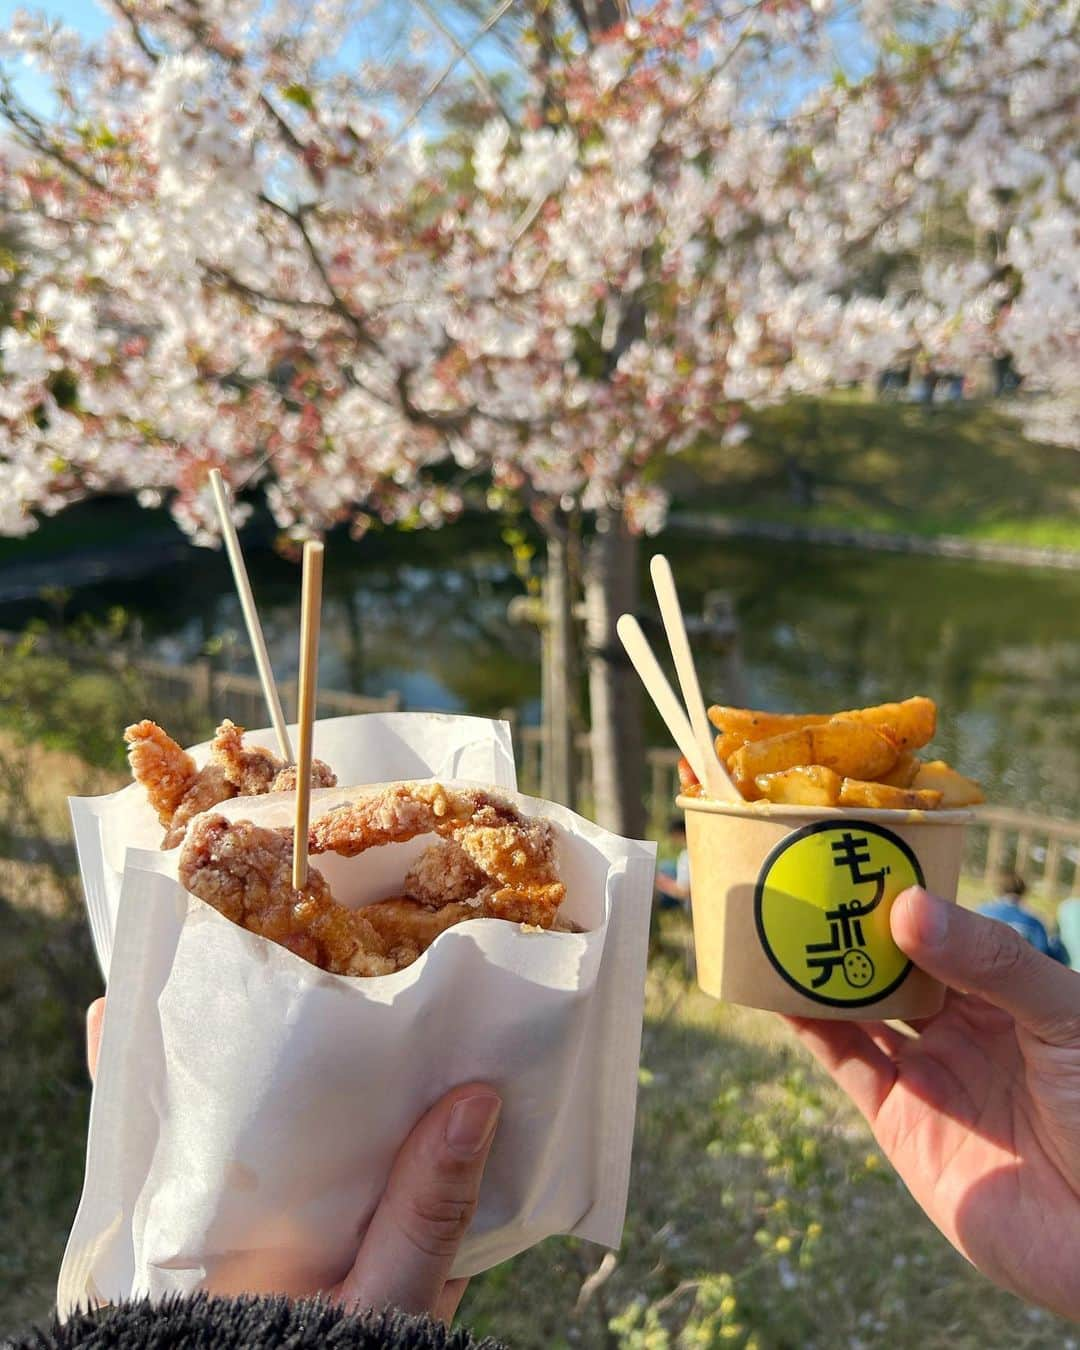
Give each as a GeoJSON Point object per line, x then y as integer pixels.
{"type": "Point", "coordinates": [957, 469]}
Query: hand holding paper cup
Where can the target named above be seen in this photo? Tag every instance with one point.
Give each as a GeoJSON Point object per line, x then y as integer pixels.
{"type": "Point", "coordinates": [801, 831]}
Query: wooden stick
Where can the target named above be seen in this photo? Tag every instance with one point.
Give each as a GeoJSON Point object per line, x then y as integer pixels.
{"type": "Point", "coordinates": [251, 616]}
{"type": "Point", "coordinates": [717, 782]}
{"type": "Point", "coordinates": [310, 614]}
{"type": "Point", "coordinates": [661, 693]}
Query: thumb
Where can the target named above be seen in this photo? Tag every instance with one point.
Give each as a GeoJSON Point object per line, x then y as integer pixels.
{"type": "Point", "coordinates": [986, 957]}
{"type": "Point", "coordinates": [410, 1245]}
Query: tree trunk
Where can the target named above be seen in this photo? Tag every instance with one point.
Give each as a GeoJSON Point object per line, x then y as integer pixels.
{"type": "Point", "coordinates": [614, 692]}
{"type": "Point", "coordinates": [558, 680]}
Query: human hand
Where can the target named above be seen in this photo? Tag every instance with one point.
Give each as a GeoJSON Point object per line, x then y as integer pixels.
{"type": "Point", "coordinates": [406, 1252]}
{"type": "Point", "coordinates": [979, 1108]}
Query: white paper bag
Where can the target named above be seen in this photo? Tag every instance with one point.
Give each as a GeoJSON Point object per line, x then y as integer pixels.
{"type": "Point", "coordinates": [366, 748]}
{"type": "Point", "coordinates": [248, 1105]}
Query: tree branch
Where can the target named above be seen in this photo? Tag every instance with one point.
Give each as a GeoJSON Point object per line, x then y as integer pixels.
{"type": "Point", "coordinates": [136, 32]}
{"type": "Point", "coordinates": [465, 54]}
{"type": "Point", "coordinates": [338, 304]}
{"type": "Point", "coordinates": [33, 131]}
{"type": "Point", "coordinates": [222, 276]}
{"type": "Point", "coordinates": [440, 79]}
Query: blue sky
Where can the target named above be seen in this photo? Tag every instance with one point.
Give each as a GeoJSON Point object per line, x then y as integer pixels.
{"type": "Point", "coordinates": [85, 15]}
{"type": "Point", "coordinates": [93, 19]}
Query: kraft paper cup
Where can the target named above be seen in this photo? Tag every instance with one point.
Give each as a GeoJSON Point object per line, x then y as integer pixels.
{"type": "Point", "coordinates": [791, 904]}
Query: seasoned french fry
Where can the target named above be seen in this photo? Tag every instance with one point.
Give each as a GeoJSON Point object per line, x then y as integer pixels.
{"type": "Point", "coordinates": [908, 725]}
{"type": "Point", "coordinates": [902, 774]}
{"type": "Point", "coordinates": [882, 797]}
{"type": "Point", "coordinates": [851, 749]}
{"type": "Point", "coordinates": [955, 789]}
{"type": "Point", "coordinates": [803, 785]}
{"type": "Point", "coordinates": [737, 726]}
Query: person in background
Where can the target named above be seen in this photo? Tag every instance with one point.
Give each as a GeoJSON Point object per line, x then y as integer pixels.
{"type": "Point", "coordinates": [673, 878]}
{"type": "Point", "coordinates": [1068, 921]}
{"type": "Point", "coordinates": [1008, 908]}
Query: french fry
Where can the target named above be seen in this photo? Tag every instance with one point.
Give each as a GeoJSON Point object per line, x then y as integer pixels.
{"type": "Point", "coordinates": [737, 726]}
{"type": "Point", "coordinates": [864, 757]}
{"type": "Point", "coordinates": [882, 797]}
{"type": "Point", "coordinates": [902, 774]}
{"type": "Point", "coordinates": [955, 789]}
{"type": "Point", "coordinates": [851, 749]}
{"type": "Point", "coordinates": [908, 725]}
{"type": "Point", "coordinates": [803, 785]}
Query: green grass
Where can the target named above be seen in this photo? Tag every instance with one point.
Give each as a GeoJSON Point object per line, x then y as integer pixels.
{"type": "Point", "coordinates": [957, 469]}
{"type": "Point", "coordinates": [761, 1215]}
{"type": "Point", "coordinates": [47, 976]}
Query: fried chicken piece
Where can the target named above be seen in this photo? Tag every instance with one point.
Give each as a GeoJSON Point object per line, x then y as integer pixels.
{"type": "Point", "coordinates": [408, 928]}
{"type": "Point", "coordinates": [486, 846]}
{"type": "Point", "coordinates": [178, 791]}
{"type": "Point", "coordinates": [322, 775]}
{"type": "Point", "coordinates": [164, 769]}
{"type": "Point", "coordinates": [515, 854]}
{"type": "Point", "coordinates": [253, 770]}
{"type": "Point", "coordinates": [442, 875]}
{"type": "Point", "coordinates": [209, 788]}
{"type": "Point", "coordinates": [176, 788]}
{"type": "Point", "coordinates": [245, 872]}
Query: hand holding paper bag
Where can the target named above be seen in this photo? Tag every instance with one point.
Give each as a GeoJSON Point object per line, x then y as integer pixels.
{"type": "Point", "coordinates": [404, 1257]}
{"type": "Point", "coordinates": [249, 1105]}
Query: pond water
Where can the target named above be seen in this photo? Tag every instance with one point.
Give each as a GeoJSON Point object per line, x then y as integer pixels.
{"type": "Point", "coordinates": [820, 628]}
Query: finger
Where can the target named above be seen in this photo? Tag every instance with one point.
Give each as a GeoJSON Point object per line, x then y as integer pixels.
{"type": "Point", "coordinates": [985, 957]}
{"type": "Point", "coordinates": [888, 1039]}
{"type": "Point", "coordinates": [412, 1240]}
{"type": "Point", "coordinates": [95, 1014]}
{"type": "Point", "coordinates": [449, 1300]}
{"type": "Point", "coordinates": [851, 1059]}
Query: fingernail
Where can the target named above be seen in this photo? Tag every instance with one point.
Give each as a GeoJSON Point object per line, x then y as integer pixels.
{"type": "Point", "coordinates": [471, 1124]}
{"type": "Point", "coordinates": [931, 917]}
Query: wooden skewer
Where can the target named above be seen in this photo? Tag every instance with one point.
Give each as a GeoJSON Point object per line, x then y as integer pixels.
{"type": "Point", "coordinates": [717, 782]}
{"type": "Point", "coordinates": [661, 693]}
{"type": "Point", "coordinates": [251, 616]}
{"type": "Point", "coordinates": [310, 614]}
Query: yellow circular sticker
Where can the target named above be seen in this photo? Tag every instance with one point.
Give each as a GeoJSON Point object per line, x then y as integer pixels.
{"type": "Point", "coordinates": [822, 906]}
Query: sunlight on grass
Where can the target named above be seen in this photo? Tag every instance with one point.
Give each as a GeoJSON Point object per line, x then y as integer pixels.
{"type": "Point", "coordinates": [847, 462]}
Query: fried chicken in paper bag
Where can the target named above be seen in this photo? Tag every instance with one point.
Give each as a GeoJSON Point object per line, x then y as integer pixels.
{"type": "Point", "coordinates": [179, 791]}
{"type": "Point", "coordinates": [490, 861]}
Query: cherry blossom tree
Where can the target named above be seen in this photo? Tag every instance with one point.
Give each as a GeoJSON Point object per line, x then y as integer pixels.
{"type": "Point", "coordinates": [370, 287]}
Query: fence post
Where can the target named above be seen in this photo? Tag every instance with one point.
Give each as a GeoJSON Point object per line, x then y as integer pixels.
{"type": "Point", "coordinates": [202, 685]}
{"type": "Point", "coordinates": [657, 784]}
{"type": "Point", "coordinates": [1052, 867]}
{"type": "Point", "coordinates": [1023, 852]}
{"type": "Point", "coordinates": [288, 699]}
{"type": "Point", "coordinates": [995, 847]}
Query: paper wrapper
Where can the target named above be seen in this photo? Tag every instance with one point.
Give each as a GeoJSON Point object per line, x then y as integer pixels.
{"type": "Point", "coordinates": [248, 1105]}
{"type": "Point", "coordinates": [791, 904]}
{"type": "Point", "coordinates": [367, 748]}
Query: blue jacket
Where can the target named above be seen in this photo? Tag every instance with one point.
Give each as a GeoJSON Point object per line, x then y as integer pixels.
{"type": "Point", "coordinates": [1006, 910]}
